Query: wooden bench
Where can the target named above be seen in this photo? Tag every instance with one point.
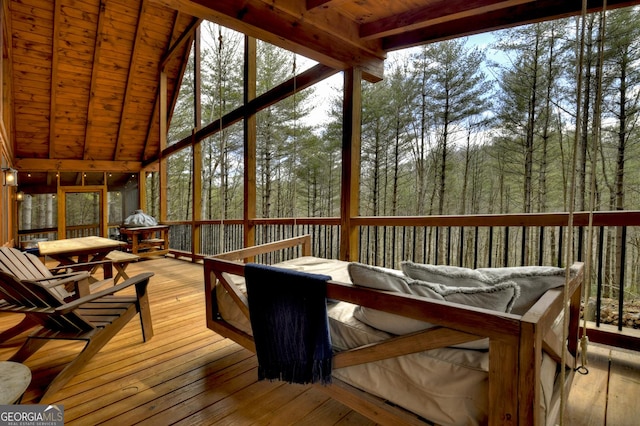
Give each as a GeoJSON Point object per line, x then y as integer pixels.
{"type": "Point", "coordinates": [120, 261]}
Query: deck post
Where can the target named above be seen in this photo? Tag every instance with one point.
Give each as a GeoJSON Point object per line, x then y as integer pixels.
{"type": "Point", "coordinates": [196, 158]}
{"type": "Point", "coordinates": [350, 192]}
{"type": "Point", "coordinates": [162, 166]}
{"type": "Point", "coordinates": [249, 142]}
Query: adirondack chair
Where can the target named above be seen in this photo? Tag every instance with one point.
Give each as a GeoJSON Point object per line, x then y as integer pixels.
{"type": "Point", "coordinates": [94, 318]}
{"type": "Point", "coordinates": [26, 266]}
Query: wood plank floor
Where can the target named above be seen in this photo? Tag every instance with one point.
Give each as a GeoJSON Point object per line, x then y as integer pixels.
{"type": "Point", "coordinates": [187, 375]}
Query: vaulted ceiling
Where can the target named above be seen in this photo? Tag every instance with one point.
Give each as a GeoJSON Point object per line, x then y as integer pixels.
{"type": "Point", "coordinates": [86, 72]}
{"type": "Point", "coordinates": [85, 81]}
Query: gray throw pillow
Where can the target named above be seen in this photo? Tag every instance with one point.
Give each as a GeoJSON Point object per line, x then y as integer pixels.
{"type": "Point", "coordinates": [533, 281]}
{"type": "Point", "coordinates": [454, 276]}
{"type": "Point", "coordinates": [499, 297]}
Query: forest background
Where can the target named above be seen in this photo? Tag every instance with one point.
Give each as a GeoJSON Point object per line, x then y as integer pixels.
{"type": "Point", "coordinates": [455, 127]}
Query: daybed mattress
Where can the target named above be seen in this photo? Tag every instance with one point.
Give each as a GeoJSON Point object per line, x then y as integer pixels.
{"type": "Point", "coordinates": [445, 386]}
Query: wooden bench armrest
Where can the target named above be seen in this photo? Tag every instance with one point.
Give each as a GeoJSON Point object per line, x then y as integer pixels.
{"type": "Point", "coordinates": [245, 253]}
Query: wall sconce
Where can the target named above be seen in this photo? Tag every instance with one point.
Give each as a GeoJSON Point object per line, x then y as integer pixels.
{"type": "Point", "coordinates": [19, 196]}
{"type": "Point", "coordinates": [9, 177]}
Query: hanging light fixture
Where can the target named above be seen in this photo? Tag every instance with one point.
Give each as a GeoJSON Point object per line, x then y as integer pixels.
{"type": "Point", "coordinates": [9, 177]}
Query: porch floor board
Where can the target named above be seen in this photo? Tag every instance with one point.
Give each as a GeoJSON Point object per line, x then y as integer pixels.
{"type": "Point", "coordinates": [188, 375]}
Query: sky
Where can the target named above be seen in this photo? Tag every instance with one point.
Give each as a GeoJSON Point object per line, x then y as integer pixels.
{"type": "Point", "coordinates": [326, 89]}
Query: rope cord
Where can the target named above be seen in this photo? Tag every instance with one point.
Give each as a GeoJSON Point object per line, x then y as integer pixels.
{"type": "Point", "coordinates": [223, 148]}
{"type": "Point", "coordinates": [571, 202]}
{"type": "Point", "coordinates": [295, 148]}
{"type": "Point", "coordinates": [584, 339]}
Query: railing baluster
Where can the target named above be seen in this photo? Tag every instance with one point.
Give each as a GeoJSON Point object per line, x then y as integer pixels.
{"type": "Point", "coordinates": [560, 245]}
{"type": "Point", "coordinates": [523, 247]}
{"type": "Point", "coordinates": [490, 248]}
{"type": "Point", "coordinates": [475, 247]}
{"type": "Point", "coordinates": [505, 261]}
{"type": "Point", "coordinates": [461, 251]}
{"type": "Point", "coordinates": [622, 266]}
{"type": "Point", "coordinates": [449, 248]}
{"type": "Point", "coordinates": [541, 246]}
{"type": "Point", "coordinates": [600, 274]}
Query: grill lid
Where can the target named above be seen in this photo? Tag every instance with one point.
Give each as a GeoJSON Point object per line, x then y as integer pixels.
{"type": "Point", "coordinates": [139, 219]}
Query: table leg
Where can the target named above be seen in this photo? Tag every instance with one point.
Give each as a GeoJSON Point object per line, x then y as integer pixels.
{"type": "Point", "coordinates": [120, 271]}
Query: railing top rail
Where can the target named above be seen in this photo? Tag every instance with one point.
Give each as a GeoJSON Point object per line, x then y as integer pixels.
{"type": "Point", "coordinates": [600, 218]}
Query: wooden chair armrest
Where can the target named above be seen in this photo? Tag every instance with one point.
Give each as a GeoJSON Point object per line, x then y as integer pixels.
{"type": "Point", "coordinates": [80, 281]}
{"type": "Point", "coordinates": [139, 280]}
{"type": "Point", "coordinates": [80, 265]}
{"type": "Point", "coordinates": [62, 279]}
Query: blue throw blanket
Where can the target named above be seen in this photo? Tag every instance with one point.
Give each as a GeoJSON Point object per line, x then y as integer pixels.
{"type": "Point", "coordinates": [288, 312]}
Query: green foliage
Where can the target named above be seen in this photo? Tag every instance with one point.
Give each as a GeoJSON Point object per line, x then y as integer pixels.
{"type": "Point", "coordinates": [454, 127]}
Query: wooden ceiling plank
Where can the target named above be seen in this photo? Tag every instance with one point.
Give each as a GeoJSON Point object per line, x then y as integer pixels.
{"type": "Point", "coordinates": [130, 76]}
{"type": "Point", "coordinates": [54, 77]}
{"type": "Point", "coordinates": [528, 13]}
{"type": "Point", "coordinates": [435, 13]}
{"type": "Point", "coordinates": [312, 4]}
{"type": "Point", "coordinates": [94, 78]}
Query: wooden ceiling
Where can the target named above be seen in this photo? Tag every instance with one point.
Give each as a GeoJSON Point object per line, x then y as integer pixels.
{"type": "Point", "coordinates": [85, 82]}
{"type": "Point", "coordinates": [86, 72]}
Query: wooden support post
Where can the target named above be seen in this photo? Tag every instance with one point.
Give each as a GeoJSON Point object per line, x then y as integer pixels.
{"type": "Point", "coordinates": [249, 142]}
{"type": "Point", "coordinates": [350, 192]}
{"type": "Point", "coordinates": [62, 209]}
{"type": "Point", "coordinates": [196, 215]}
{"type": "Point", "coordinates": [142, 189]}
{"type": "Point", "coordinates": [162, 169]}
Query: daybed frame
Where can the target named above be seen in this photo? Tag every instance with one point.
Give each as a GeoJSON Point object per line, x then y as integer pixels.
{"type": "Point", "coordinates": [515, 348]}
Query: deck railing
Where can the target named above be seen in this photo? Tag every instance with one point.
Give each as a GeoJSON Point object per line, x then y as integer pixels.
{"type": "Point", "coordinates": [469, 241]}
{"type": "Point", "coordinates": [472, 241]}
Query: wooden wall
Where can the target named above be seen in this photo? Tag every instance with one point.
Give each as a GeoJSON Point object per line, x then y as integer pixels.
{"type": "Point", "coordinates": [7, 194]}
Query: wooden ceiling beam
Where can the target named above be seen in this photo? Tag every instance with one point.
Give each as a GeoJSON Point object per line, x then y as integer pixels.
{"type": "Point", "coordinates": [320, 34]}
{"type": "Point", "coordinates": [130, 75]}
{"type": "Point", "coordinates": [312, 4]}
{"type": "Point", "coordinates": [54, 78]}
{"type": "Point", "coordinates": [438, 12]}
{"type": "Point", "coordinates": [155, 111]}
{"type": "Point", "coordinates": [94, 77]}
{"type": "Point", "coordinates": [48, 165]}
{"type": "Point", "coordinates": [527, 13]}
{"type": "Point", "coordinates": [271, 97]}
{"type": "Point", "coordinates": [186, 36]}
